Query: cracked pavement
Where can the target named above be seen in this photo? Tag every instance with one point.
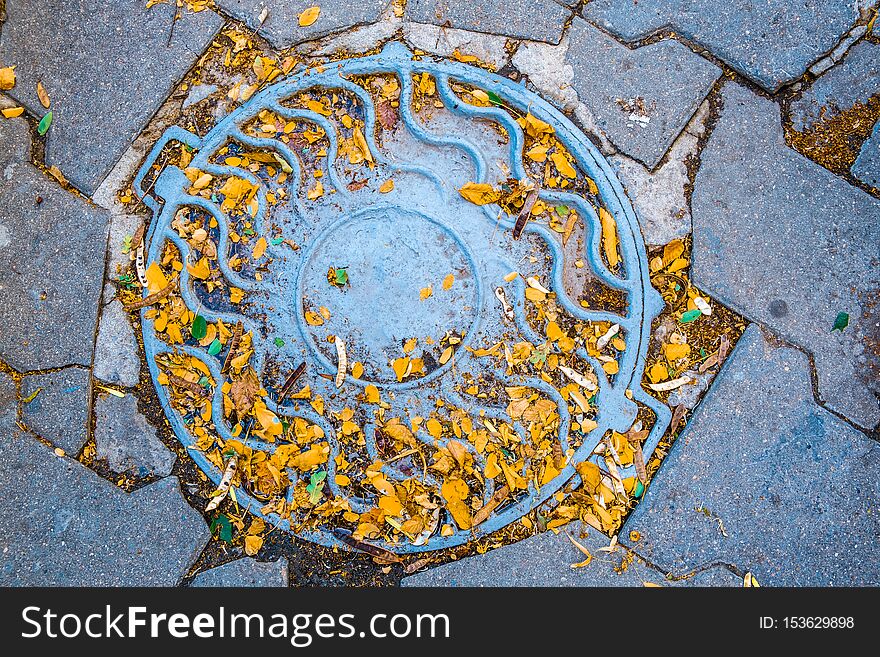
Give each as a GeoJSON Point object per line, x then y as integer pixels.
{"type": "Point", "coordinates": [750, 129]}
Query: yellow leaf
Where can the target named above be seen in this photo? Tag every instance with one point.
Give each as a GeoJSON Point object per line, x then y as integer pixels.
{"type": "Point", "coordinates": [252, 544]}
{"type": "Point", "coordinates": [371, 394]}
{"type": "Point", "coordinates": [259, 248]}
{"type": "Point", "coordinates": [357, 370]}
{"type": "Point", "coordinates": [676, 351]}
{"type": "Point", "coordinates": [362, 145]}
{"type": "Point", "coordinates": [313, 318]}
{"type": "Point", "coordinates": [553, 331]}
{"type": "Point", "coordinates": [455, 491]}
{"type": "Point", "coordinates": [425, 292]}
{"type": "Point", "coordinates": [448, 281]}
{"type": "Point", "coordinates": [492, 470]}
{"type": "Point", "coordinates": [610, 367]}
{"type": "Point", "coordinates": [446, 355]}
{"type": "Point", "coordinates": [563, 165]}
{"type": "Point", "coordinates": [12, 112]}
{"type": "Point", "coordinates": [479, 193]}
{"type": "Point", "coordinates": [386, 186]}
{"type": "Point", "coordinates": [316, 455]}
{"type": "Point", "coordinates": [535, 127]}
{"type": "Point", "coordinates": [410, 345]}
{"type": "Point", "coordinates": [677, 265]}
{"type": "Point", "coordinates": [672, 251]}
{"type": "Point", "coordinates": [658, 373]}
{"type": "Point", "coordinates": [609, 237]}
{"type": "Point", "coordinates": [155, 278]}
{"type": "Point", "coordinates": [309, 16]}
{"type": "Point", "coordinates": [537, 153]}
{"type": "Point", "coordinates": [400, 366]}
{"type": "Point", "coordinates": [7, 78]}
{"type": "Point", "coordinates": [315, 192]}
{"type": "Point", "coordinates": [200, 270]}
{"type": "Point", "coordinates": [43, 95]}
{"type": "Point", "coordinates": [267, 419]}
{"type": "Point", "coordinates": [434, 428]}
{"type": "Point", "coordinates": [342, 480]}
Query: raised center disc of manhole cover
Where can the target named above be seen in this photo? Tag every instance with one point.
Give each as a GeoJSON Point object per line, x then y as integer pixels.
{"type": "Point", "coordinates": [399, 301]}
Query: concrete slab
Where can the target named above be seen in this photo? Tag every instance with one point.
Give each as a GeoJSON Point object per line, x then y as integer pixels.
{"type": "Point", "coordinates": [788, 244]}
{"type": "Point", "coordinates": [765, 480]}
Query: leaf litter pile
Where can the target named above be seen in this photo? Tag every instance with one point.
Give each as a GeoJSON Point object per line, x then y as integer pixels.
{"type": "Point", "coordinates": [366, 463]}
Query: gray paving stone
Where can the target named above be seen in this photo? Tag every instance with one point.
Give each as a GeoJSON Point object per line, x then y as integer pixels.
{"type": "Point", "coordinates": [771, 41]}
{"type": "Point", "coordinates": [52, 267]}
{"type": "Point", "coordinates": [282, 23]}
{"type": "Point", "coordinates": [545, 560]}
{"type": "Point", "coordinates": [790, 245]}
{"type": "Point", "coordinates": [8, 404]}
{"type": "Point", "coordinates": [72, 528]}
{"type": "Point", "coordinates": [127, 440]}
{"type": "Point", "coordinates": [854, 80]}
{"type": "Point", "coordinates": [60, 411]}
{"type": "Point", "coordinates": [116, 350]}
{"type": "Point", "coordinates": [795, 487]}
{"type": "Point", "coordinates": [641, 98]}
{"type": "Point", "coordinates": [538, 20]}
{"type": "Point", "coordinates": [107, 67]}
{"type": "Point", "coordinates": [244, 572]}
{"type": "Point", "coordinates": [867, 166]}
{"type": "Point", "coordinates": [659, 197]}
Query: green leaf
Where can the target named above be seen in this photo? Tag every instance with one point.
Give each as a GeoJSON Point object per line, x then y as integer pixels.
{"type": "Point", "coordinates": [562, 210]}
{"type": "Point", "coordinates": [199, 328]}
{"type": "Point", "coordinates": [276, 241]}
{"type": "Point", "coordinates": [841, 322]}
{"type": "Point", "coordinates": [215, 347]}
{"type": "Point", "coordinates": [690, 316]}
{"type": "Point", "coordinates": [640, 488]}
{"type": "Point", "coordinates": [45, 122]}
{"type": "Point", "coordinates": [222, 523]}
{"type": "Point", "coordinates": [316, 484]}
{"type": "Point", "coordinates": [279, 342]}
{"type": "Point", "coordinates": [494, 98]}
{"type": "Point", "coordinates": [341, 277]}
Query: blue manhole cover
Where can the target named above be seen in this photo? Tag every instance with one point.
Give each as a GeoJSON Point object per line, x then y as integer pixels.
{"type": "Point", "coordinates": [452, 242]}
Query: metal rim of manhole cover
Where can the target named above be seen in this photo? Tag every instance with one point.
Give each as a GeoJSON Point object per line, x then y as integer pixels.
{"type": "Point", "coordinates": [430, 225]}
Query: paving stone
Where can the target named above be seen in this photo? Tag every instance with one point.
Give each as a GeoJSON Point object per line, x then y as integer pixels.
{"type": "Point", "coordinates": [660, 198]}
{"type": "Point", "coordinates": [244, 572]}
{"type": "Point", "coordinates": [867, 166]}
{"type": "Point", "coordinates": [282, 23]}
{"type": "Point", "coordinates": [107, 67]}
{"type": "Point", "coordinates": [8, 404]}
{"type": "Point", "coordinates": [116, 350]}
{"type": "Point", "coordinates": [549, 70]}
{"type": "Point", "coordinates": [641, 98]}
{"type": "Point", "coordinates": [60, 411]}
{"type": "Point", "coordinates": [52, 266]}
{"type": "Point", "coordinates": [795, 487]}
{"type": "Point", "coordinates": [545, 560]}
{"type": "Point", "coordinates": [772, 42]}
{"type": "Point", "coordinates": [127, 440]}
{"type": "Point", "coordinates": [445, 42]}
{"type": "Point", "coordinates": [790, 245]}
{"type": "Point", "coordinates": [853, 81]}
{"type": "Point", "coordinates": [538, 20]}
{"type": "Point", "coordinates": [73, 528]}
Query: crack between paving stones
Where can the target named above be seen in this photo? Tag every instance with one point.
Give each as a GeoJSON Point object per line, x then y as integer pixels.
{"type": "Point", "coordinates": [671, 577]}
{"type": "Point", "coordinates": [778, 340]}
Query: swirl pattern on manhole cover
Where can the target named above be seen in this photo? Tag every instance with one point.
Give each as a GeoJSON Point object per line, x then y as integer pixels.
{"type": "Point", "coordinates": [397, 300]}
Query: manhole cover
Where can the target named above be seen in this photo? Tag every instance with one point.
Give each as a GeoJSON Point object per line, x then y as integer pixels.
{"type": "Point", "coordinates": [368, 211]}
